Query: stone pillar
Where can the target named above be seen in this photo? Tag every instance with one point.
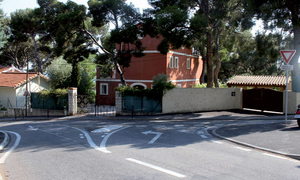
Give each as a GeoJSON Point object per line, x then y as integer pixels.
{"type": "Point", "coordinates": [118, 103]}
{"type": "Point", "coordinates": [72, 101]}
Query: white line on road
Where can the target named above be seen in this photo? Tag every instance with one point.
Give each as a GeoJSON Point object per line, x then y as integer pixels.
{"type": "Point", "coordinates": [81, 136]}
{"type": "Point", "coordinates": [3, 158]}
{"type": "Point", "coordinates": [102, 147]}
{"type": "Point", "coordinates": [276, 156]}
{"type": "Point", "coordinates": [203, 136]}
{"type": "Point", "coordinates": [158, 134]}
{"type": "Point", "coordinates": [218, 142]}
{"type": "Point", "coordinates": [244, 149]}
{"type": "Point", "coordinates": [156, 168]}
{"type": "Point", "coordinates": [103, 143]}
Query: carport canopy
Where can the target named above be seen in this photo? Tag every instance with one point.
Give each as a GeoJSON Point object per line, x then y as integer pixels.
{"type": "Point", "coordinates": [259, 81]}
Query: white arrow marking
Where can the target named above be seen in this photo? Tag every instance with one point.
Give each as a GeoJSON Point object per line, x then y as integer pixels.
{"type": "Point", "coordinates": [158, 134]}
{"type": "Point", "coordinates": [32, 128]}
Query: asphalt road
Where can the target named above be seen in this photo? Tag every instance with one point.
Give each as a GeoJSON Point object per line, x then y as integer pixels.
{"type": "Point", "coordinates": [89, 149]}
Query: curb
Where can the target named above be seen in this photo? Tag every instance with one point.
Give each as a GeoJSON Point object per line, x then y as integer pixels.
{"type": "Point", "coordinates": [293, 156]}
{"type": "Point", "coordinates": [5, 141]}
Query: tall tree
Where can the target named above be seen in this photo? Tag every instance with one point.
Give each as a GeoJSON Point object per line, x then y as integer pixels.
{"type": "Point", "coordinates": [249, 55]}
{"type": "Point", "coordinates": [123, 38]}
{"type": "Point", "coordinates": [29, 24]}
{"type": "Point", "coordinates": [3, 29]}
{"type": "Point", "coordinates": [284, 14]}
{"type": "Point", "coordinates": [186, 22]}
{"type": "Point", "coordinates": [65, 21]}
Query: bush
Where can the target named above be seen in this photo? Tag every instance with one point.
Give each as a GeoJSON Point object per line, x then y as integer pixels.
{"type": "Point", "coordinates": [204, 85]}
{"type": "Point", "coordinates": [161, 84]}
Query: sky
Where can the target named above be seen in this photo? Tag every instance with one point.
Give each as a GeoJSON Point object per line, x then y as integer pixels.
{"type": "Point", "coordinates": [10, 6]}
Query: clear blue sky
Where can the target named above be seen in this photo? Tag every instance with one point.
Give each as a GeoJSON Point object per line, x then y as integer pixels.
{"type": "Point", "coordinates": [9, 6]}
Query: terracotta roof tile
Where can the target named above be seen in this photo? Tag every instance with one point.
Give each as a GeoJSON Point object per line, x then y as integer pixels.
{"type": "Point", "coordinates": [256, 80]}
{"type": "Point", "coordinates": [13, 79]}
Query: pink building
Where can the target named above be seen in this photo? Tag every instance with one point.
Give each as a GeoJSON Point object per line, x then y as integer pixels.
{"type": "Point", "coordinates": [182, 65]}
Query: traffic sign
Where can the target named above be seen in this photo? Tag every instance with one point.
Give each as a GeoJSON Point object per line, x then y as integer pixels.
{"type": "Point", "coordinates": [287, 67]}
{"type": "Point", "coordinates": [26, 93]}
{"type": "Point", "coordinates": [287, 55]}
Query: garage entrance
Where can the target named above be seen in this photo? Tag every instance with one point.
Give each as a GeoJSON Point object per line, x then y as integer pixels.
{"type": "Point", "coordinates": [263, 99]}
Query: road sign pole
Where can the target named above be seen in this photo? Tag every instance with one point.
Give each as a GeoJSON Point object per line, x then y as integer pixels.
{"type": "Point", "coordinates": [287, 56]}
{"type": "Point", "coordinates": [286, 94]}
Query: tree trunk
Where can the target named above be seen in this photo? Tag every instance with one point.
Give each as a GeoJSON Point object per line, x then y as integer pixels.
{"type": "Point", "coordinates": [209, 61]}
{"type": "Point", "coordinates": [218, 65]}
{"type": "Point", "coordinates": [204, 59]}
{"type": "Point", "coordinates": [120, 72]}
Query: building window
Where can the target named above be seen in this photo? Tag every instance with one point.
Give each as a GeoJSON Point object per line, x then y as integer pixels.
{"type": "Point", "coordinates": [188, 63]}
{"type": "Point", "coordinates": [103, 89]}
{"type": "Point", "coordinates": [171, 62]}
{"type": "Point", "coordinates": [176, 62]}
{"type": "Point", "coordinates": [178, 85]}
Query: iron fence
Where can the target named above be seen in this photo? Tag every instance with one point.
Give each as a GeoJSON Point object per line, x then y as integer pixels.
{"type": "Point", "coordinates": [48, 102]}
{"type": "Point", "coordinates": [141, 104]}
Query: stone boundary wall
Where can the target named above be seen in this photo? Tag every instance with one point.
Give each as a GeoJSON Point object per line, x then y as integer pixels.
{"type": "Point", "coordinates": [186, 100]}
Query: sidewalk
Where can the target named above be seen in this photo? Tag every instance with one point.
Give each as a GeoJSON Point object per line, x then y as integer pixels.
{"type": "Point", "coordinates": [273, 136]}
{"type": "Point", "coordinates": [280, 138]}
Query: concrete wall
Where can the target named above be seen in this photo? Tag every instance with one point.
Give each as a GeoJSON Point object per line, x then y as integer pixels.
{"type": "Point", "coordinates": [293, 101]}
{"type": "Point", "coordinates": [181, 100]}
{"type": "Point", "coordinates": [34, 85]}
{"type": "Point", "coordinates": [5, 94]}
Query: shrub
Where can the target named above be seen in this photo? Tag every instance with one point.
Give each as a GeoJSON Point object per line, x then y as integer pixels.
{"type": "Point", "coordinates": [161, 84]}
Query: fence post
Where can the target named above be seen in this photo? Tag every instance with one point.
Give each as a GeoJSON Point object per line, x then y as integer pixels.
{"type": "Point", "coordinates": [132, 112]}
{"type": "Point", "coordinates": [72, 100]}
{"type": "Point", "coordinates": [119, 103]}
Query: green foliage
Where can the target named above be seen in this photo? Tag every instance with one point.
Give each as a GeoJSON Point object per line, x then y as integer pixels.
{"type": "Point", "coordinates": [201, 23]}
{"type": "Point", "coordinates": [2, 108]}
{"type": "Point", "coordinates": [86, 86]}
{"type": "Point", "coordinates": [59, 73]}
{"type": "Point", "coordinates": [204, 85]}
{"type": "Point", "coordinates": [56, 92]}
{"type": "Point", "coordinates": [159, 88]}
{"type": "Point", "coordinates": [29, 25]}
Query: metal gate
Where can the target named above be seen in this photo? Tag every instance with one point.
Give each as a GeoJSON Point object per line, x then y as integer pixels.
{"type": "Point", "coordinates": [263, 99]}
{"type": "Point", "coordinates": [83, 106]}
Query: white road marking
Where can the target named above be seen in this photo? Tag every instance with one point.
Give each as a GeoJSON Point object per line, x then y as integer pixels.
{"type": "Point", "coordinates": [244, 149]}
{"type": "Point", "coordinates": [156, 168]}
{"type": "Point", "coordinates": [218, 142]}
{"type": "Point", "coordinates": [103, 143]}
{"type": "Point", "coordinates": [158, 134]}
{"type": "Point", "coordinates": [102, 147]}
{"type": "Point", "coordinates": [276, 156]}
{"type": "Point", "coordinates": [141, 126]}
{"type": "Point", "coordinates": [89, 139]}
{"type": "Point", "coordinates": [32, 128]}
{"type": "Point", "coordinates": [203, 136]}
{"type": "Point", "coordinates": [81, 136]}
{"type": "Point", "coordinates": [106, 129]}
{"type": "Point", "coordinates": [200, 132]}
{"type": "Point", "coordinates": [3, 158]}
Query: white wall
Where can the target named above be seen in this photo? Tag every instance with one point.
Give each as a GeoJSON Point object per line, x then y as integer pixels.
{"type": "Point", "coordinates": [180, 100]}
{"type": "Point", "coordinates": [16, 96]}
{"type": "Point", "coordinates": [293, 101]}
{"type": "Point", "coordinates": [7, 93]}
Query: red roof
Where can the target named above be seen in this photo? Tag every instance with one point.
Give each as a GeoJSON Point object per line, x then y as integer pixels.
{"type": "Point", "coordinates": [246, 80]}
{"type": "Point", "coordinates": [15, 79]}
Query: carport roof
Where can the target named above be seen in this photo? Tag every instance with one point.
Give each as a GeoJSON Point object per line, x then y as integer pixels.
{"type": "Point", "coordinates": [256, 80]}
